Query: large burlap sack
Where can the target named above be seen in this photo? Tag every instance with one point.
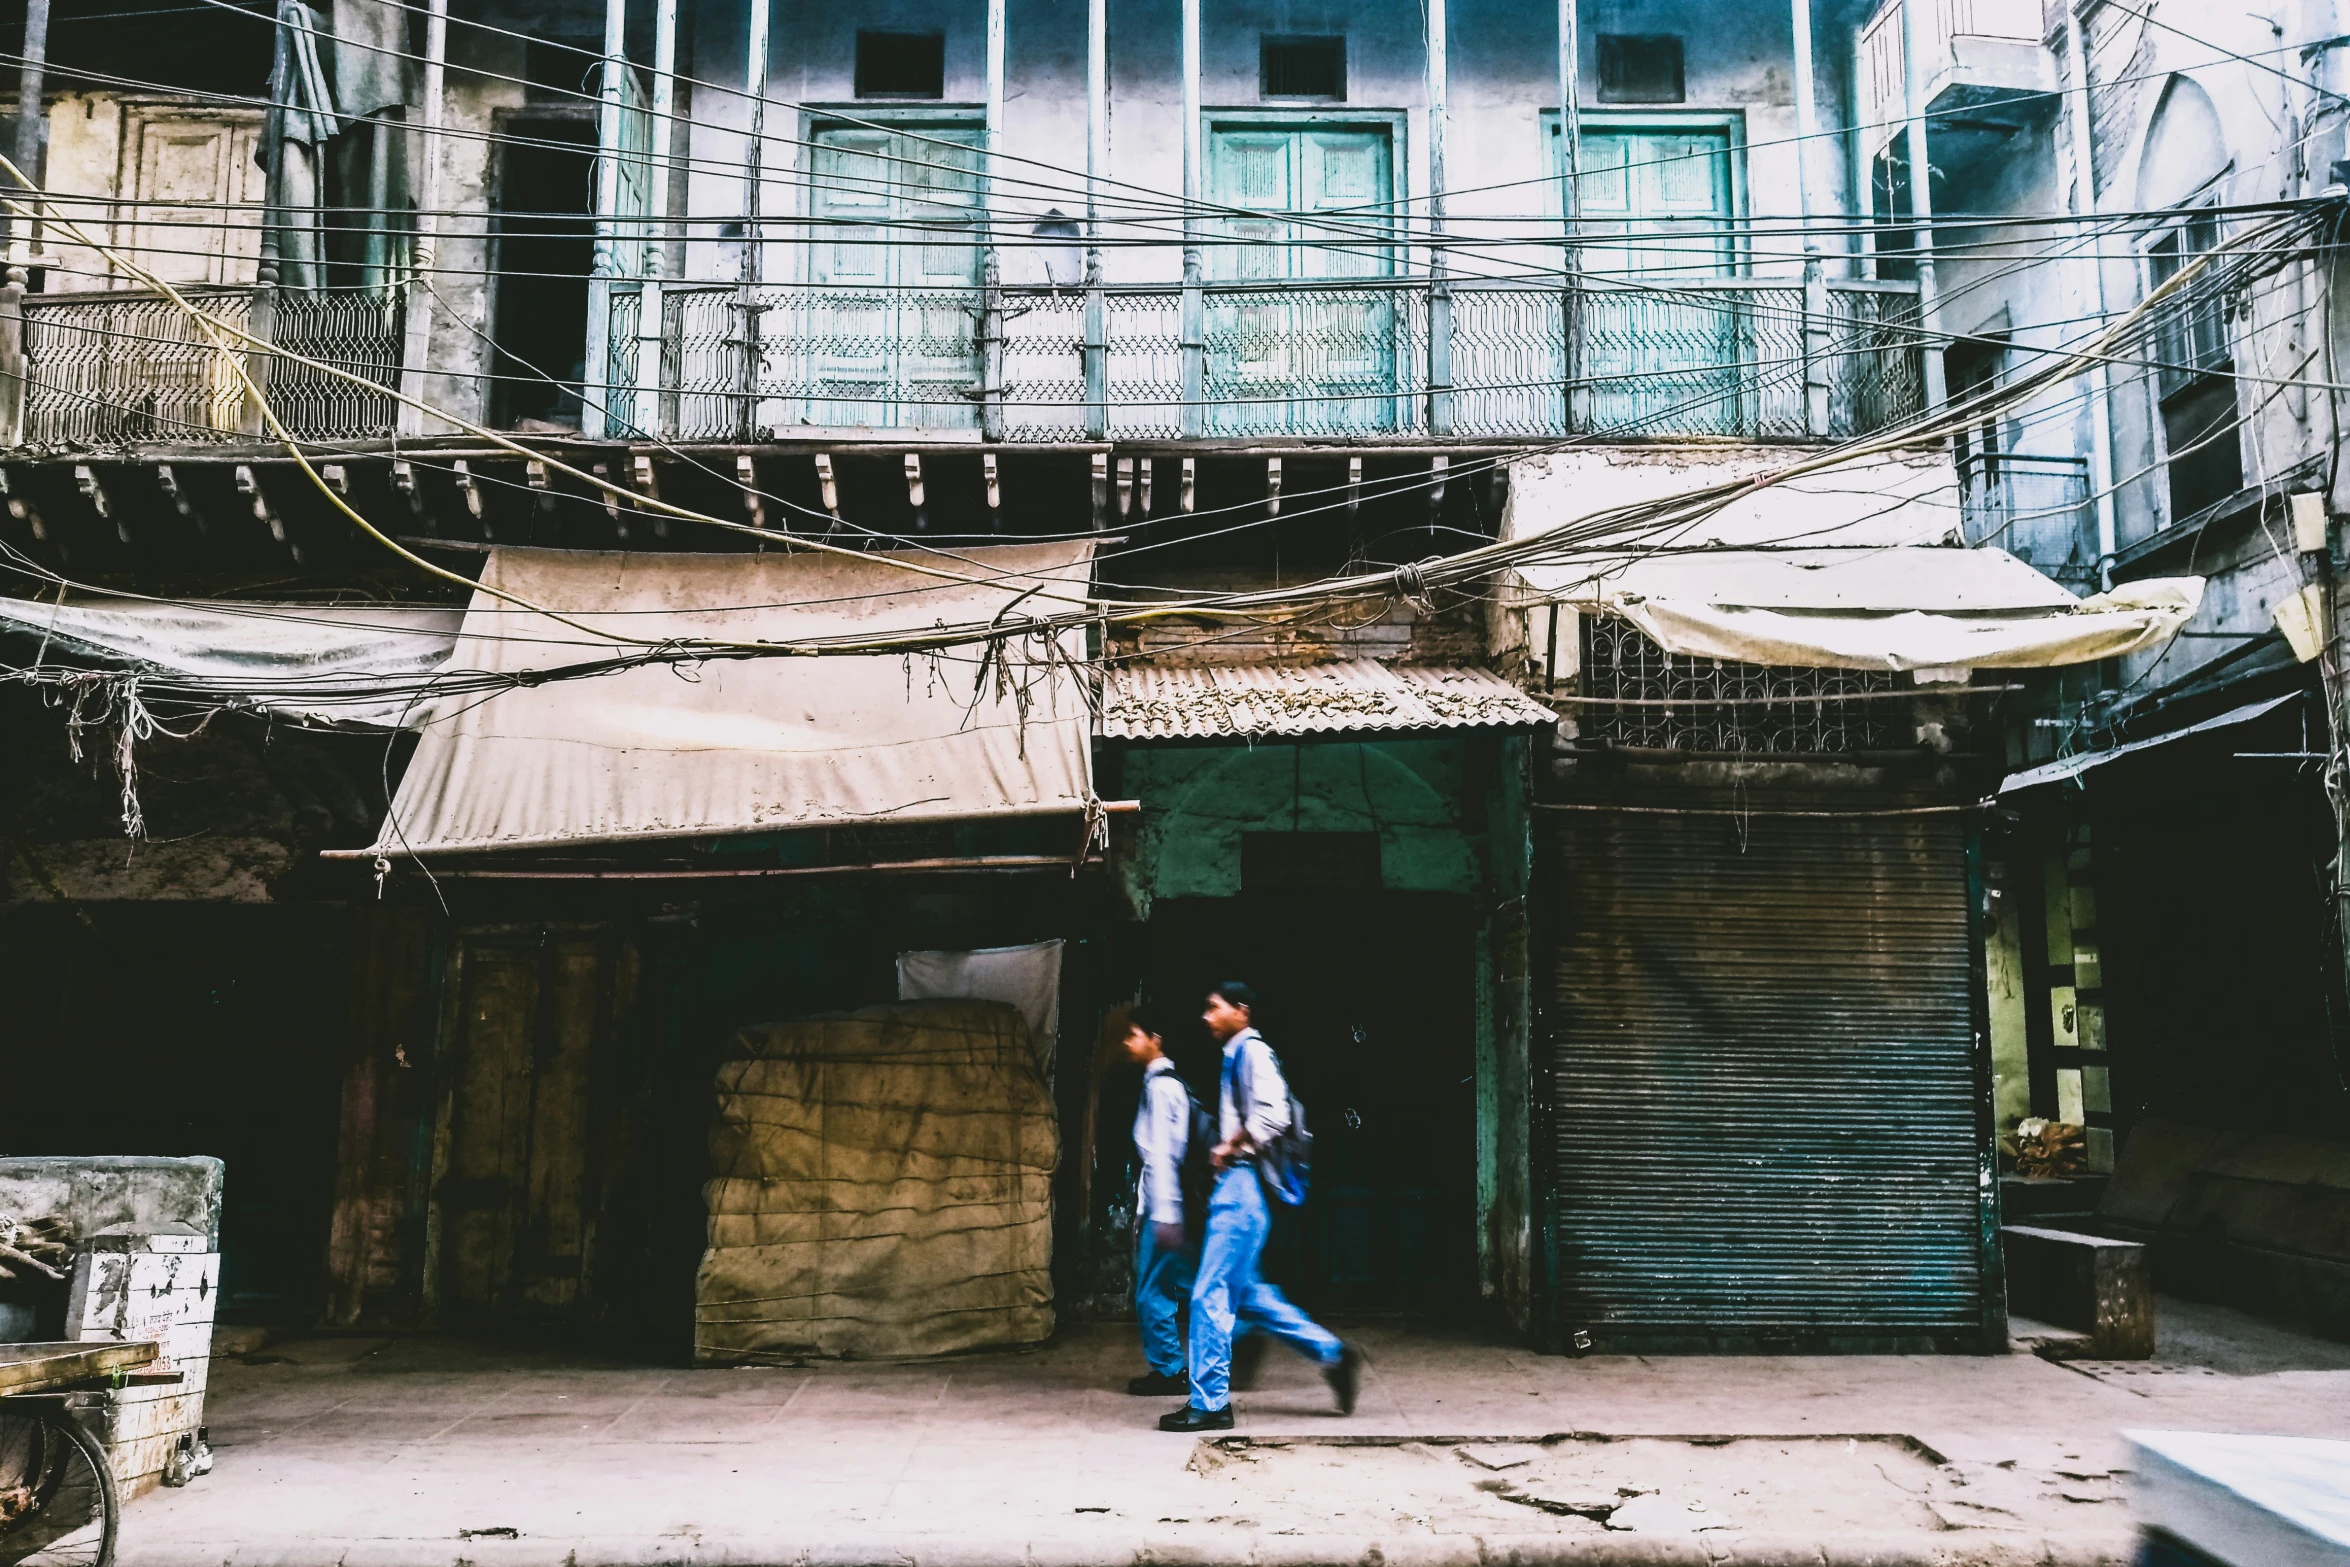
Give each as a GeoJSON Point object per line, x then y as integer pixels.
{"type": "Point", "coordinates": [882, 1188]}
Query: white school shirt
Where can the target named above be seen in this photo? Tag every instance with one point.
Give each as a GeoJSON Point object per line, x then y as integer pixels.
{"type": "Point", "coordinates": [1162, 1134]}
{"type": "Point", "coordinates": [1268, 1111]}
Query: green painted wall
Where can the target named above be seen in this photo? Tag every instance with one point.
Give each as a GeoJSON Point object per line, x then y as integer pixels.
{"type": "Point", "coordinates": [1199, 800]}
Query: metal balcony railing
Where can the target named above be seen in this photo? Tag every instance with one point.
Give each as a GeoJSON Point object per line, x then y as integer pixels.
{"type": "Point", "coordinates": [1726, 357]}
{"type": "Point", "coordinates": [117, 366]}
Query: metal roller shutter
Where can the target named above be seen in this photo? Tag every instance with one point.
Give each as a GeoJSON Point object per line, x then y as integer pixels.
{"type": "Point", "coordinates": [1764, 1089]}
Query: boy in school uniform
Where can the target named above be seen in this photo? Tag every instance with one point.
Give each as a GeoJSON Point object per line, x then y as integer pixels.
{"type": "Point", "coordinates": [1229, 1295]}
{"type": "Point", "coordinates": [1163, 1255]}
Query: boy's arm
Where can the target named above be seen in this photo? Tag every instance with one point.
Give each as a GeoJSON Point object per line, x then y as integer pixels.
{"type": "Point", "coordinates": [1170, 1122]}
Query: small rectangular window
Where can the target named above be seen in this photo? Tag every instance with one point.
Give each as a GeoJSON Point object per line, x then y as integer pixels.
{"type": "Point", "coordinates": [901, 65]}
{"type": "Point", "coordinates": [1640, 68]}
{"type": "Point", "coordinates": [1293, 66]}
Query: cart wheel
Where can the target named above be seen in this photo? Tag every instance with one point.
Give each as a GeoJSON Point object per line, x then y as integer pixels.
{"type": "Point", "coordinates": [57, 1499]}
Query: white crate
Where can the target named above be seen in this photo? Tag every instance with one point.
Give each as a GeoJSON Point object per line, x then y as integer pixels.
{"type": "Point", "coordinates": [157, 1287]}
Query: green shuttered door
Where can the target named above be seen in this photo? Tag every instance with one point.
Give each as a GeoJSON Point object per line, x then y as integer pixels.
{"type": "Point", "coordinates": [890, 333]}
{"type": "Point", "coordinates": [1301, 359]}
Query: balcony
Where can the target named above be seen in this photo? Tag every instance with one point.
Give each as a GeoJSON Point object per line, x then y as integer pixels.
{"type": "Point", "coordinates": [1344, 361]}
{"type": "Point", "coordinates": [1986, 73]}
{"type": "Point", "coordinates": [121, 366]}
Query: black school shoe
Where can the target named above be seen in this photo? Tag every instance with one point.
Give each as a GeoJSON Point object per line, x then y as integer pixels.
{"type": "Point", "coordinates": [1155, 1384]}
{"type": "Point", "coordinates": [1190, 1419]}
{"type": "Point", "coordinates": [1345, 1376]}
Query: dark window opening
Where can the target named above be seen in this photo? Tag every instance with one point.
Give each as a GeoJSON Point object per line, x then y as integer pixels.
{"type": "Point", "coordinates": [545, 250]}
{"type": "Point", "coordinates": [2199, 432]}
{"type": "Point", "coordinates": [1640, 68]}
{"type": "Point", "coordinates": [2192, 337]}
{"type": "Point", "coordinates": [901, 65]}
{"type": "Point", "coordinates": [2192, 379]}
{"type": "Point", "coordinates": [1301, 67]}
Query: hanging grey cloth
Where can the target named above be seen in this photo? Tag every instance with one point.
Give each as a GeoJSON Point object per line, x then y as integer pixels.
{"type": "Point", "coordinates": [371, 57]}
{"type": "Point", "coordinates": [306, 104]}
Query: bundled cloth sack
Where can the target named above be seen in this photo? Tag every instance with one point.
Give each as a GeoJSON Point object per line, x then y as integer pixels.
{"type": "Point", "coordinates": [883, 1188]}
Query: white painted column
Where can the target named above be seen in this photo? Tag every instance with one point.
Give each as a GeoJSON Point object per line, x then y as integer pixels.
{"type": "Point", "coordinates": [754, 239]}
{"type": "Point", "coordinates": [645, 409]}
{"type": "Point", "coordinates": [991, 264]}
{"type": "Point", "coordinates": [416, 348]}
{"type": "Point", "coordinates": [1816, 325]}
{"type": "Point", "coordinates": [1194, 325]}
{"type": "Point", "coordinates": [1439, 285]}
{"type": "Point", "coordinates": [1097, 167]}
{"type": "Point", "coordinates": [2076, 73]}
{"type": "Point", "coordinates": [595, 390]}
{"type": "Point", "coordinates": [1570, 84]}
{"type": "Point", "coordinates": [1921, 199]}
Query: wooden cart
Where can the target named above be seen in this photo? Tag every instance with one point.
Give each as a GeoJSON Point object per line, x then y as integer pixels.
{"type": "Point", "coordinates": [58, 1504]}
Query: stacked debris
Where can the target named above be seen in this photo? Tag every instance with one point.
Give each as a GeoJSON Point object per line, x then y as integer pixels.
{"type": "Point", "coordinates": [36, 1248]}
{"type": "Point", "coordinates": [2051, 1148]}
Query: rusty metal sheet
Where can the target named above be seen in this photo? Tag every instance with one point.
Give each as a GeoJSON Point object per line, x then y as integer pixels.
{"type": "Point", "coordinates": [1156, 702]}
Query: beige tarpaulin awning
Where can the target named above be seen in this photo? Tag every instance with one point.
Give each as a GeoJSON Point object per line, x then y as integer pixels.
{"type": "Point", "coordinates": [1858, 566]}
{"type": "Point", "coordinates": [1894, 607]}
{"type": "Point", "coordinates": [753, 744]}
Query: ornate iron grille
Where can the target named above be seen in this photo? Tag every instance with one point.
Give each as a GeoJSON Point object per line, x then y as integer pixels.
{"type": "Point", "coordinates": [1044, 365]}
{"type": "Point", "coordinates": [355, 330]}
{"type": "Point", "coordinates": [1723, 357]}
{"type": "Point", "coordinates": [113, 367]}
{"type": "Point", "coordinates": [118, 366]}
{"type": "Point", "coordinates": [1646, 698]}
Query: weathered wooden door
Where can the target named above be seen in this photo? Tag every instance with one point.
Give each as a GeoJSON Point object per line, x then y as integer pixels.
{"type": "Point", "coordinates": [191, 171]}
{"type": "Point", "coordinates": [1294, 345]}
{"type": "Point", "coordinates": [514, 1200]}
{"type": "Point", "coordinates": [1662, 353]}
{"type": "Point", "coordinates": [888, 334]}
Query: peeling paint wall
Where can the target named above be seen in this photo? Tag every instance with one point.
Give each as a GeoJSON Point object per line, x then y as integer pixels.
{"type": "Point", "coordinates": [1199, 800]}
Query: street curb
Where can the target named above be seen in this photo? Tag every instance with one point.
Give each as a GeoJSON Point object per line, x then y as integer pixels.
{"type": "Point", "coordinates": [1206, 1548]}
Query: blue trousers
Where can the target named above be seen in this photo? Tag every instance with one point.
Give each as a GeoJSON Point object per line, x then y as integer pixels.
{"type": "Point", "coordinates": [1162, 1282]}
{"type": "Point", "coordinates": [1227, 1293]}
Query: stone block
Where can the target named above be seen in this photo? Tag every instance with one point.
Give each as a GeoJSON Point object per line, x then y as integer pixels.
{"type": "Point", "coordinates": [2088, 1283]}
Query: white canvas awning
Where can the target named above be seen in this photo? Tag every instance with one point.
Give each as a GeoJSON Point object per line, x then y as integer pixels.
{"type": "Point", "coordinates": [1891, 607]}
{"type": "Point", "coordinates": [752, 744]}
{"type": "Point", "coordinates": [356, 664]}
{"type": "Point", "coordinates": [1859, 566]}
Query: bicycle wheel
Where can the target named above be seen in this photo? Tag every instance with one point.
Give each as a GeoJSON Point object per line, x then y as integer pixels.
{"type": "Point", "coordinates": [57, 1498]}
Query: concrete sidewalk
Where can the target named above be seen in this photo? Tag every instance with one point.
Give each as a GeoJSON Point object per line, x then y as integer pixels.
{"type": "Point", "coordinates": [428, 1452]}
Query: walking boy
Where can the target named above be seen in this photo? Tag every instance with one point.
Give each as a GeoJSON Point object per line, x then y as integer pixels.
{"type": "Point", "coordinates": [1162, 1255]}
{"type": "Point", "coordinates": [1227, 1291]}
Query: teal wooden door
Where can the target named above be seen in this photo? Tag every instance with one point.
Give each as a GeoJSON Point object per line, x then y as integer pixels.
{"type": "Point", "coordinates": [1662, 353]}
{"type": "Point", "coordinates": [887, 334]}
{"type": "Point", "coordinates": [1292, 347]}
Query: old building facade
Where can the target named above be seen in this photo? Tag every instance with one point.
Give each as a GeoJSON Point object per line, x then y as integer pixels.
{"type": "Point", "coordinates": [1456, 507]}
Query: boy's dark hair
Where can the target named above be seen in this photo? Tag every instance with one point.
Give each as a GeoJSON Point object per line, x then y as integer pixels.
{"type": "Point", "coordinates": [1146, 1017]}
{"type": "Point", "coordinates": [1237, 991]}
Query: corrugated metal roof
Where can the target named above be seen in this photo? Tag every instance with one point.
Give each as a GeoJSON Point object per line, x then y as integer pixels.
{"type": "Point", "coordinates": [1155, 702]}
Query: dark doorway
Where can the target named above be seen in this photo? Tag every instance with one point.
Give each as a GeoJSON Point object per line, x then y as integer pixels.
{"type": "Point", "coordinates": [545, 249]}
{"type": "Point", "coordinates": [1368, 1001]}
